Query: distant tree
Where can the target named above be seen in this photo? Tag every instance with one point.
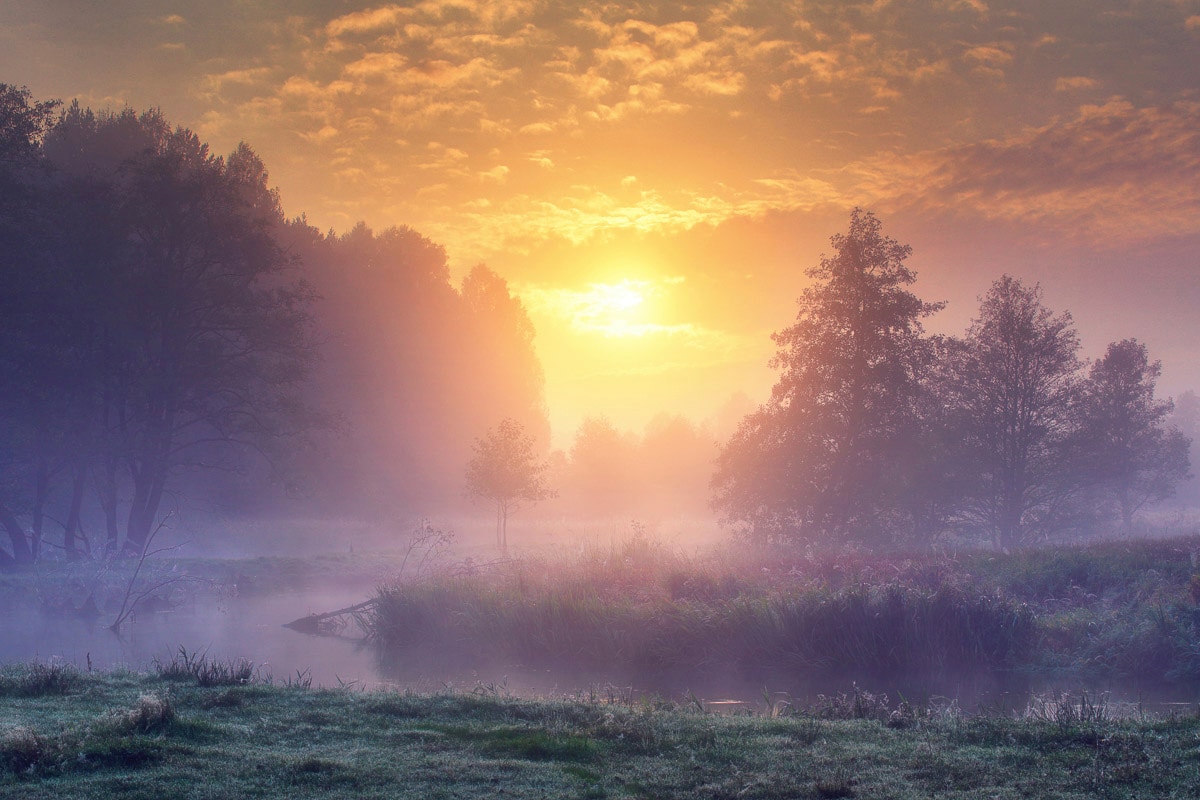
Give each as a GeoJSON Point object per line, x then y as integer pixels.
{"type": "Point", "coordinates": [506, 471]}
{"type": "Point", "coordinates": [1186, 417]}
{"type": "Point", "coordinates": [503, 359]}
{"type": "Point", "coordinates": [1011, 385]}
{"type": "Point", "coordinates": [821, 457]}
{"type": "Point", "coordinates": [1126, 450]}
{"type": "Point", "coordinates": [674, 464]}
{"type": "Point", "coordinates": [603, 461]}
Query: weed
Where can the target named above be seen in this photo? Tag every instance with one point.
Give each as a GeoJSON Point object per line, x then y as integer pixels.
{"type": "Point", "coordinates": [185, 666]}
{"type": "Point", "coordinates": [23, 750]}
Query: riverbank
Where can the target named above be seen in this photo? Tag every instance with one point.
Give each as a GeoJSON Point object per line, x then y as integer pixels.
{"type": "Point", "coordinates": [71, 734]}
{"type": "Point", "coordinates": [1127, 609]}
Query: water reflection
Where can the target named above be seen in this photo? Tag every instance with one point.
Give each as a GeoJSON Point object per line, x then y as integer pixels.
{"type": "Point", "coordinates": [252, 628]}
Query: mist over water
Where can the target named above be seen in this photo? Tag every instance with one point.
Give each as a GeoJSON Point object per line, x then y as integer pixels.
{"type": "Point", "coordinates": [251, 628]}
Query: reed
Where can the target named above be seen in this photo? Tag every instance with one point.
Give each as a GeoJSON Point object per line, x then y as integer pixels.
{"type": "Point", "coordinates": [1124, 608]}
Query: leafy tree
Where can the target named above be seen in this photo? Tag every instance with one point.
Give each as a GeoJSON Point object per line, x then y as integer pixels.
{"type": "Point", "coordinates": [23, 124]}
{"type": "Point", "coordinates": [1012, 384]}
{"type": "Point", "coordinates": [506, 471]}
{"type": "Point", "coordinates": [1128, 452]}
{"type": "Point", "coordinates": [30, 431]}
{"type": "Point", "coordinates": [821, 456]}
{"type": "Point", "coordinates": [157, 327]}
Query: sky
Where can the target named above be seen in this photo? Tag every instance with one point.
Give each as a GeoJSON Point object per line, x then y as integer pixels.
{"type": "Point", "coordinates": [654, 178]}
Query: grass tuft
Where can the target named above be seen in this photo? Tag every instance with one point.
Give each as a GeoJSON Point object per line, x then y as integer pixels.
{"type": "Point", "coordinates": [37, 679]}
{"type": "Point", "coordinates": [185, 666]}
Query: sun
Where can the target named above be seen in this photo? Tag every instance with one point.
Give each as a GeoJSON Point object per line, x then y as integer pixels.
{"type": "Point", "coordinates": [612, 309]}
{"type": "Point", "coordinates": [617, 309]}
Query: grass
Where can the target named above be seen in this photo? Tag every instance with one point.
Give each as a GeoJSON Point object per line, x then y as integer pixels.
{"type": "Point", "coordinates": [139, 735]}
{"type": "Point", "coordinates": [1122, 609]}
{"type": "Point", "coordinates": [185, 666]}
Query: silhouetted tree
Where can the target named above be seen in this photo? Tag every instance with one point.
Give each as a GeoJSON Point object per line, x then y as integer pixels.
{"type": "Point", "coordinates": [821, 456]}
{"type": "Point", "coordinates": [1126, 450]}
{"type": "Point", "coordinates": [158, 329]}
{"type": "Point", "coordinates": [1012, 384]}
{"type": "Point", "coordinates": [413, 365]}
{"type": "Point", "coordinates": [506, 471]}
{"type": "Point", "coordinates": [30, 430]}
{"type": "Point", "coordinates": [502, 359]}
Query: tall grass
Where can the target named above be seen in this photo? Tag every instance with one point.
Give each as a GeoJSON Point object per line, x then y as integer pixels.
{"type": "Point", "coordinates": [1120, 608]}
{"type": "Point", "coordinates": [640, 605]}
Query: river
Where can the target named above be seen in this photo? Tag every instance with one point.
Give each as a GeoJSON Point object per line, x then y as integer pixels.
{"type": "Point", "coordinates": [251, 627]}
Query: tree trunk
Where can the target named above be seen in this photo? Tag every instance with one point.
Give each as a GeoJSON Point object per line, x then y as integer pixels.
{"type": "Point", "coordinates": [41, 496]}
{"type": "Point", "coordinates": [22, 554]}
{"type": "Point", "coordinates": [108, 501]}
{"type": "Point", "coordinates": [1127, 512]}
{"type": "Point", "coordinates": [73, 515]}
{"type": "Point", "coordinates": [504, 528]}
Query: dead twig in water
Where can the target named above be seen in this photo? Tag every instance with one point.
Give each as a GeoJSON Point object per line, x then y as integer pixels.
{"type": "Point", "coordinates": [130, 601]}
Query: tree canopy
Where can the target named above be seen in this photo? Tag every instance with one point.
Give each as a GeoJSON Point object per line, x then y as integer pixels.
{"type": "Point", "coordinates": [155, 321]}
{"type": "Point", "coordinates": [877, 433]}
{"type": "Point", "coordinates": [818, 458]}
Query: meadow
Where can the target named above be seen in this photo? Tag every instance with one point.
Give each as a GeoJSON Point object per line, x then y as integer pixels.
{"type": "Point", "coordinates": [200, 729]}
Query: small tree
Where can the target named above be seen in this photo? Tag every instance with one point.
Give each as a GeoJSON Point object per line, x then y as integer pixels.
{"type": "Point", "coordinates": [506, 471]}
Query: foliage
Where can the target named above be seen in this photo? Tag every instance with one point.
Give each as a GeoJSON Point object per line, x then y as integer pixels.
{"type": "Point", "coordinates": [37, 679]}
{"type": "Point", "coordinates": [197, 667]}
{"type": "Point", "coordinates": [1012, 383]}
{"type": "Point", "coordinates": [1117, 609]}
{"type": "Point", "coordinates": [642, 607]}
{"type": "Point", "coordinates": [877, 434]}
{"type": "Point", "coordinates": [821, 457]}
{"type": "Point", "coordinates": [153, 327]}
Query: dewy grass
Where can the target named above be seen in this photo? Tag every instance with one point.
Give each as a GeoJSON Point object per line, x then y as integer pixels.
{"type": "Point", "coordinates": [185, 666]}
{"type": "Point", "coordinates": [124, 735]}
{"type": "Point", "coordinates": [1126, 608]}
{"type": "Point", "coordinates": [37, 678]}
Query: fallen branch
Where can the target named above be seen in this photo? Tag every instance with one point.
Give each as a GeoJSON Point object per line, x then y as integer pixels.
{"type": "Point", "coordinates": [312, 623]}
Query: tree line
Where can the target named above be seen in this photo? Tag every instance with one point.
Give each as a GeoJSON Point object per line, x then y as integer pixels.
{"type": "Point", "coordinates": [878, 433]}
{"type": "Point", "coordinates": [167, 334]}
{"type": "Point", "coordinates": [168, 339]}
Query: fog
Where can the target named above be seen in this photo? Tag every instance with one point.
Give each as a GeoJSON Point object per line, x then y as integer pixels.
{"type": "Point", "coordinates": [218, 420]}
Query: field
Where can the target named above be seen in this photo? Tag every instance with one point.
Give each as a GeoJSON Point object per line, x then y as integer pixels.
{"type": "Point", "coordinates": [199, 730]}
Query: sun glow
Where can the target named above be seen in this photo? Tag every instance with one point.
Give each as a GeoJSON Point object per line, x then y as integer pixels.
{"type": "Point", "coordinates": [616, 309]}
{"type": "Point", "coordinates": [613, 309]}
